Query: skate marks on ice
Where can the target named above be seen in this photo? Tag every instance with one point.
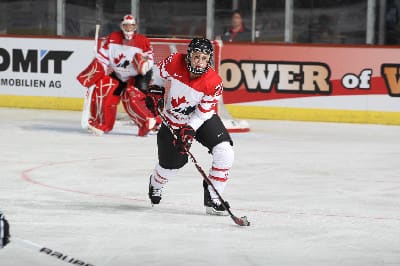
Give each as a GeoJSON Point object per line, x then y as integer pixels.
{"type": "Point", "coordinates": [315, 193]}
{"type": "Point", "coordinates": [68, 183]}
{"type": "Point", "coordinates": [47, 176]}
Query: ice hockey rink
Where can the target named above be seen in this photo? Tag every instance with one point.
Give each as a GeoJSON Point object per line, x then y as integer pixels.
{"type": "Point", "coordinates": [315, 194]}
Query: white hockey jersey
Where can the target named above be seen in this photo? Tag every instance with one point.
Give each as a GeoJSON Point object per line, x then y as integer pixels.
{"type": "Point", "coordinates": [117, 54]}
{"type": "Point", "coordinates": [188, 101]}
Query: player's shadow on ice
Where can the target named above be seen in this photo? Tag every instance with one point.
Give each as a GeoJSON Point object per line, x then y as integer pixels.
{"type": "Point", "coordinates": [107, 207]}
{"type": "Point", "coordinates": [143, 206]}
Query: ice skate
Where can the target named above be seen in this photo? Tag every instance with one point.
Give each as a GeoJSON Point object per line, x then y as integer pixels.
{"type": "Point", "coordinates": [154, 193]}
{"type": "Point", "coordinates": [213, 206]}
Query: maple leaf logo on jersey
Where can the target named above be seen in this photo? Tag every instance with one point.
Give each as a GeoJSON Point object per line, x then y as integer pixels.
{"type": "Point", "coordinates": [118, 59]}
{"type": "Point", "coordinates": [181, 105]}
{"type": "Point", "coordinates": [175, 103]}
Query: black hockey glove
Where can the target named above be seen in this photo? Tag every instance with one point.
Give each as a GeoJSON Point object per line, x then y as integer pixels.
{"type": "Point", "coordinates": [4, 231]}
{"type": "Point", "coordinates": [155, 98]}
{"type": "Point", "coordinates": [185, 136]}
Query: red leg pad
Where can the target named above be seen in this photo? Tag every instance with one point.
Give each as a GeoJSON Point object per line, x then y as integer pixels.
{"type": "Point", "coordinates": [104, 104]}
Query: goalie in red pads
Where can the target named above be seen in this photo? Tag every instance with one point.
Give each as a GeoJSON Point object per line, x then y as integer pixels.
{"type": "Point", "coordinates": [121, 70]}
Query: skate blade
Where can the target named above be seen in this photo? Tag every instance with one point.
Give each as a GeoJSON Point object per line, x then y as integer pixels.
{"type": "Point", "coordinates": [212, 211]}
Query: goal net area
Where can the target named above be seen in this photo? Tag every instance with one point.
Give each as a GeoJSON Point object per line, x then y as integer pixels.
{"type": "Point", "coordinates": [163, 47]}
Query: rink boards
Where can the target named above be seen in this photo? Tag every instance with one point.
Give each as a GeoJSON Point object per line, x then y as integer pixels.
{"type": "Point", "coordinates": [262, 81]}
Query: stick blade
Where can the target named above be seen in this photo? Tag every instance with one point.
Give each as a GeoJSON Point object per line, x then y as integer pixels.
{"type": "Point", "coordinates": [241, 221]}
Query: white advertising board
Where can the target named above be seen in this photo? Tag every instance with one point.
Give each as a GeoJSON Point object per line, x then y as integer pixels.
{"type": "Point", "coordinates": [43, 66]}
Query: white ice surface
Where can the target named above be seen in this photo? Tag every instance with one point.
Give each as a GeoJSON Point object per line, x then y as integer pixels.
{"type": "Point", "coordinates": [315, 194]}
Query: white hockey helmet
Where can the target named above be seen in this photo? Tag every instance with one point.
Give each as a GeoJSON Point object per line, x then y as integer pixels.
{"type": "Point", "coordinates": [130, 20]}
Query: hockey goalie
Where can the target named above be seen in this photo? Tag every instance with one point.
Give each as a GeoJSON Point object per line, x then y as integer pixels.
{"type": "Point", "coordinates": [121, 70]}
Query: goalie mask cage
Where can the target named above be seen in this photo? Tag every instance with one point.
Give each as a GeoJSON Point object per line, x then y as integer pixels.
{"type": "Point", "coordinates": [163, 47]}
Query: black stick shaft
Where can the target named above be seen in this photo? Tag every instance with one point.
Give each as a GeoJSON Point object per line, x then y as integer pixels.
{"type": "Point", "coordinates": [240, 221]}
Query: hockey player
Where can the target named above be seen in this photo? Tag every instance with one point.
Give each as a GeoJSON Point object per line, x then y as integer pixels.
{"type": "Point", "coordinates": [4, 231]}
{"type": "Point", "coordinates": [190, 109]}
{"type": "Point", "coordinates": [121, 70]}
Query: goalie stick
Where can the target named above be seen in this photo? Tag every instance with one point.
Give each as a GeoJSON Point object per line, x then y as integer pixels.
{"type": "Point", "coordinates": [89, 91]}
{"type": "Point", "coordinates": [242, 221]}
{"type": "Point", "coordinates": [48, 251]}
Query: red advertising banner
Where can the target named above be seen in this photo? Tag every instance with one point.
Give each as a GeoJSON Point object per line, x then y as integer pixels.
{"type": "Point", "coordinates": [312, 77]}
{"type": "Point", "coordinates": [266, 72]}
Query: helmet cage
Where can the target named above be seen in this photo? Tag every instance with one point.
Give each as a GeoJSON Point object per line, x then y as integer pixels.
{"type": "Point", "coordinates": [202, 45]}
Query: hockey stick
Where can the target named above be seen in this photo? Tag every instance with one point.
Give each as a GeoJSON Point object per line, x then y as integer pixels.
{"type": "Point", "coordinates": [86, 108]}
{"type": "Point", "coordinates": [239, 221]}
{"type": "Point", "coordinates": [89, 91]}
{"type": "Point", "coordinates": [48, 251]}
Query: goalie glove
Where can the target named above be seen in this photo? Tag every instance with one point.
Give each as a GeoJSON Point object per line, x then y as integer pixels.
{"type": "Point", "coordinates": [4, 231]}
{"type": "Point", "coordinates": [155, 98]}
{"type": "Point", "coordinates": [185, 136]}
{"type": "Point", "coordinates": [141, 63]}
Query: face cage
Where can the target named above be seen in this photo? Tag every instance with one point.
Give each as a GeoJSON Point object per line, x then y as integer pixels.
{"type": "Point", "coordinates": [128, 35]}
{"type": "Point", "coordinates": [198, 70]}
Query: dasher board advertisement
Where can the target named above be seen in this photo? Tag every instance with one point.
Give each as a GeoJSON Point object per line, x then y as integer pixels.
{"type": "Point", "coordinates": [42, 71]}
{"type": "Point", "coordinates": [314, 77]}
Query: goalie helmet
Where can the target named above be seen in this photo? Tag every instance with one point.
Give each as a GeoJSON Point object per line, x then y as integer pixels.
{"type": "Point", "coordinates": [199, 45]}
{"type": "Point", "coordinates": [128, 20]}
